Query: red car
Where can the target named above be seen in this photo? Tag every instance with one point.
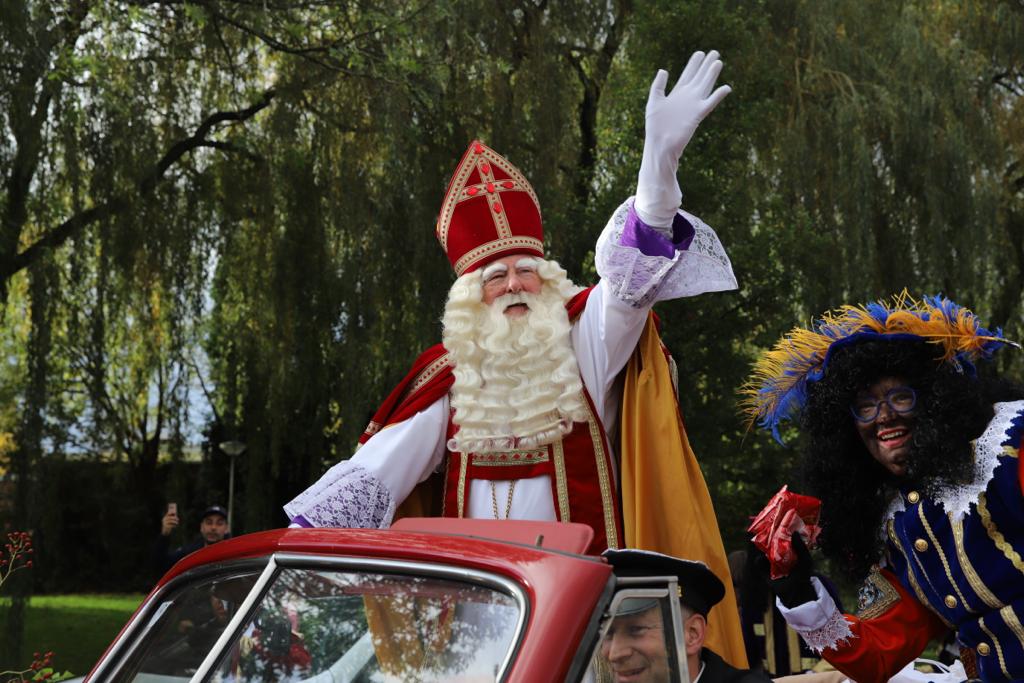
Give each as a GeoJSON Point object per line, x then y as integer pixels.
{"type": "Point", "coordinates": [426, 600]}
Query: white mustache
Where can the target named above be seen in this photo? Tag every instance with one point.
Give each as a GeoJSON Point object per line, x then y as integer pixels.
{"type": "Point", "coordinates": [511, 299]}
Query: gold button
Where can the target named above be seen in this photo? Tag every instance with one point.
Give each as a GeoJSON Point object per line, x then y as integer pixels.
{"type": "Point", "coordinates": [920, 545]}
{"type": "Point", "coordinates": [950, 601]}
{"type": "Point", "coordinates": [983, 649]}
{"type": "Point", "coordinates": [913, 497]}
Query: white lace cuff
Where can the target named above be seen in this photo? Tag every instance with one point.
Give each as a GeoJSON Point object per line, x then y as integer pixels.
{"type": "Point", "coordinates": [347, 496]}
{"type": "Point", "coordinates": [641, 280]}
{"type": "Point", "coordinates": [819, 623]}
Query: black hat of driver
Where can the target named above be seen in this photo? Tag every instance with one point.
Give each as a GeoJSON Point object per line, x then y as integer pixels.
{"type": "Point", "coordinates": [700, 589]}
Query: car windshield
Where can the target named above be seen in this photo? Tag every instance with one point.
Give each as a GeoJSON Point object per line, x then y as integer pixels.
{"type": "Point", "coordinates": [348, 625]}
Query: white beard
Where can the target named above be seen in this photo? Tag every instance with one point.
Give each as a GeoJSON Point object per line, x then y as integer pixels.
{"type": "Point", "coordinates": [517, 385]}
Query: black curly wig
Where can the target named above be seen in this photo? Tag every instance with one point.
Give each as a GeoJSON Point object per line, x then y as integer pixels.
{"type": "Point", "coordinates": [953, 408]}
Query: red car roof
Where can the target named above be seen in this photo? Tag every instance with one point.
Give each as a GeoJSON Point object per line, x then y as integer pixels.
{"type": "Point", "coordinates": [563, 588]}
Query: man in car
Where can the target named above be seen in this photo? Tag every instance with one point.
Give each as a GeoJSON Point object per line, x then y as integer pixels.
{"type": "Point", "coordinates": [635, 646]}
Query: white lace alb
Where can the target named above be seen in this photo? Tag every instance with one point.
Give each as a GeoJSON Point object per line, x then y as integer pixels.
{"type": "Point", "coordinates": [640, 280]}
{"type": "Point", "coordinates": [347, 496]}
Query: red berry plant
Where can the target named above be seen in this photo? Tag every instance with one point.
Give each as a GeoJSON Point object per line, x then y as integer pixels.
{"type": "Point", "coordinates": [17, 554]}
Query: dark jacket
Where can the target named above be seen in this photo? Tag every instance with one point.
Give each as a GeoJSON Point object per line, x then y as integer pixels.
{"type": "Point", "coordinates": [717, 671]}
{"type": "Point", "coordinates": [165, 557]}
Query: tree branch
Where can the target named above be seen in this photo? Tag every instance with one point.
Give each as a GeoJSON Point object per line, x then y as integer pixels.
{"type": "Point", "coordinates": [145, 186]}
{"type": "Point", "coordinates": [1010, 81]}
{"type": "Point", "coordinates": [26, 117]}
{"type": "Point", "coordinates": [593, 75]}
{"type": "Point", "coordinates": [191, 362]}
{"type": "Point", "coordinates": [182, 147]}
{"type": "Point", "coordinates": [229, 147]}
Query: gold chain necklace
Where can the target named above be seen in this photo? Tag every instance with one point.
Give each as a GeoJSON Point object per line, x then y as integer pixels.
{"type": "Point", "coordinates": [508, 502]}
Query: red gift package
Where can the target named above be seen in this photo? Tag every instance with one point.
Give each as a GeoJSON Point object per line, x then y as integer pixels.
{"type": "Point", "coordinates": [786, 513]}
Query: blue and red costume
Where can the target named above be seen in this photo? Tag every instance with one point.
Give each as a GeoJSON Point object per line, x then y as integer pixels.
{"type": "Point", "coordinates": [945, 569]}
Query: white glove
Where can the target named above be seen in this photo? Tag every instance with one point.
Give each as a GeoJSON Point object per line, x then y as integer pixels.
{"type": "Point", "coordinates": [671, 121]}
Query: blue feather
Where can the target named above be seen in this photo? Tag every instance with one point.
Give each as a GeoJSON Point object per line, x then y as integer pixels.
{"type": "Point", "coordinates": [878, 311]}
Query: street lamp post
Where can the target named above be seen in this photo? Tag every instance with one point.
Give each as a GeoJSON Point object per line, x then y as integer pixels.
{"type": "Point", "coordinates": [233, 449]}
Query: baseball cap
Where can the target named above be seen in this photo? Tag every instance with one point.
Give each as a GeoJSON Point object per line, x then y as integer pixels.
{"type": "Point", "coordinates": [215, 510]}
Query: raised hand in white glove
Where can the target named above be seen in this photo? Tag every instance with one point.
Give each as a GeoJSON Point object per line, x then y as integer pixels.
{"type": "Point", "coordinates": [671, 121]}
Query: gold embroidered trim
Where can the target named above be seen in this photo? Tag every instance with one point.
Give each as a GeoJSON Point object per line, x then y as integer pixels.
{"type": "Point", "coordinates": [1011, 620]}
{"type": "Point", "coordinates": [500, 218]}
{"type": "Point", "coordinates": [891, 527]}
{"type": "Point", "coordinates": [510, 458]}
{"type": "Point", "coordinates": [461, 493]}
{"type": "Point", "coordinates": [484, 250]}
{"type": "Point", "coordinates": [887, 596]}
{"type": "Point", "coordinates": [1010, 452]}
{"type": "Point", "coordinates": [997, 536]}
{"type": "Point", "coordinates": [995, 642]}
{"type": "Point", "coordinates": [977, 584]}
{"type": "Point", "coordinates": [942, 556]}
{"type": "Point", "coordinates": [456, 190]}
{"type": "Point", "coordinates": [561, 482]}
{"type": "Point", "coordinates": [444, 486]}
{"type": "Point", "coordinates": [428, 373]}
{"type": "Point", "coordinates": [603, 478]}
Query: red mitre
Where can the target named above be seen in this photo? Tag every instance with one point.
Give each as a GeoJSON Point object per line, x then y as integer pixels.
{"type": "Point", "coordinates": [489, 211]}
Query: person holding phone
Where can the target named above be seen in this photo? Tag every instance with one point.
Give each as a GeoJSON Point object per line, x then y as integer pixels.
{"type": "Point", "coordinates": [213, 528]}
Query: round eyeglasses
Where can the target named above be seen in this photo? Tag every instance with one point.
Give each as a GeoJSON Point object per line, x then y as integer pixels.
{"type": "Point", "coordinates": [899, 399]}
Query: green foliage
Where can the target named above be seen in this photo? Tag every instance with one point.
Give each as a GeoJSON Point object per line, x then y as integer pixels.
{"type": "Point", "coordinates": [217, 217]}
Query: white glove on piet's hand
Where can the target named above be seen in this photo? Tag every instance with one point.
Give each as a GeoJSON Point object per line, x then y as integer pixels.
{"type": "Point", "coordinates": [671, 121]}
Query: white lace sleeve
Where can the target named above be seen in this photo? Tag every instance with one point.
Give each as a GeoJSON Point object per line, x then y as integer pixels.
{"type": "Point", "coordinates": [819, 623]}
{"type": "Point", "coordinates": [347, 496]}
{"type": "Point", "coordinates": [363, 491]}
{"type": "Point", "coordinates": [641, 280]}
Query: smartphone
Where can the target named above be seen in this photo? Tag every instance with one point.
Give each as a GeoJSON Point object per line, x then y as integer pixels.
{"type": "Point", "coordinates": [172, 509]}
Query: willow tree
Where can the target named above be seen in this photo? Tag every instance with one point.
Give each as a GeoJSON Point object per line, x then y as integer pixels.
{"type": "Point", "coordinates": [865, 148]}
{"type": "Point", "coordinates": [898, 147]}
{"type": "Point", "coordinates": [994, 34]}
{"type": "Point", "coordinates": [114, 117]}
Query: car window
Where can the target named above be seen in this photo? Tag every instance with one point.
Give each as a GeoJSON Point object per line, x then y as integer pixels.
{"type": "Point", "coordinates": [637, 643]}
{"type": "Point", "coordinates": [332, 625]}
{"type": "Point", "coordinates": [184, 627]}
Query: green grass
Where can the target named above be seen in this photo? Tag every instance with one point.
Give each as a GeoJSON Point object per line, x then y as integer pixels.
{"type": "Point", "coordinates": [76, 628]}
